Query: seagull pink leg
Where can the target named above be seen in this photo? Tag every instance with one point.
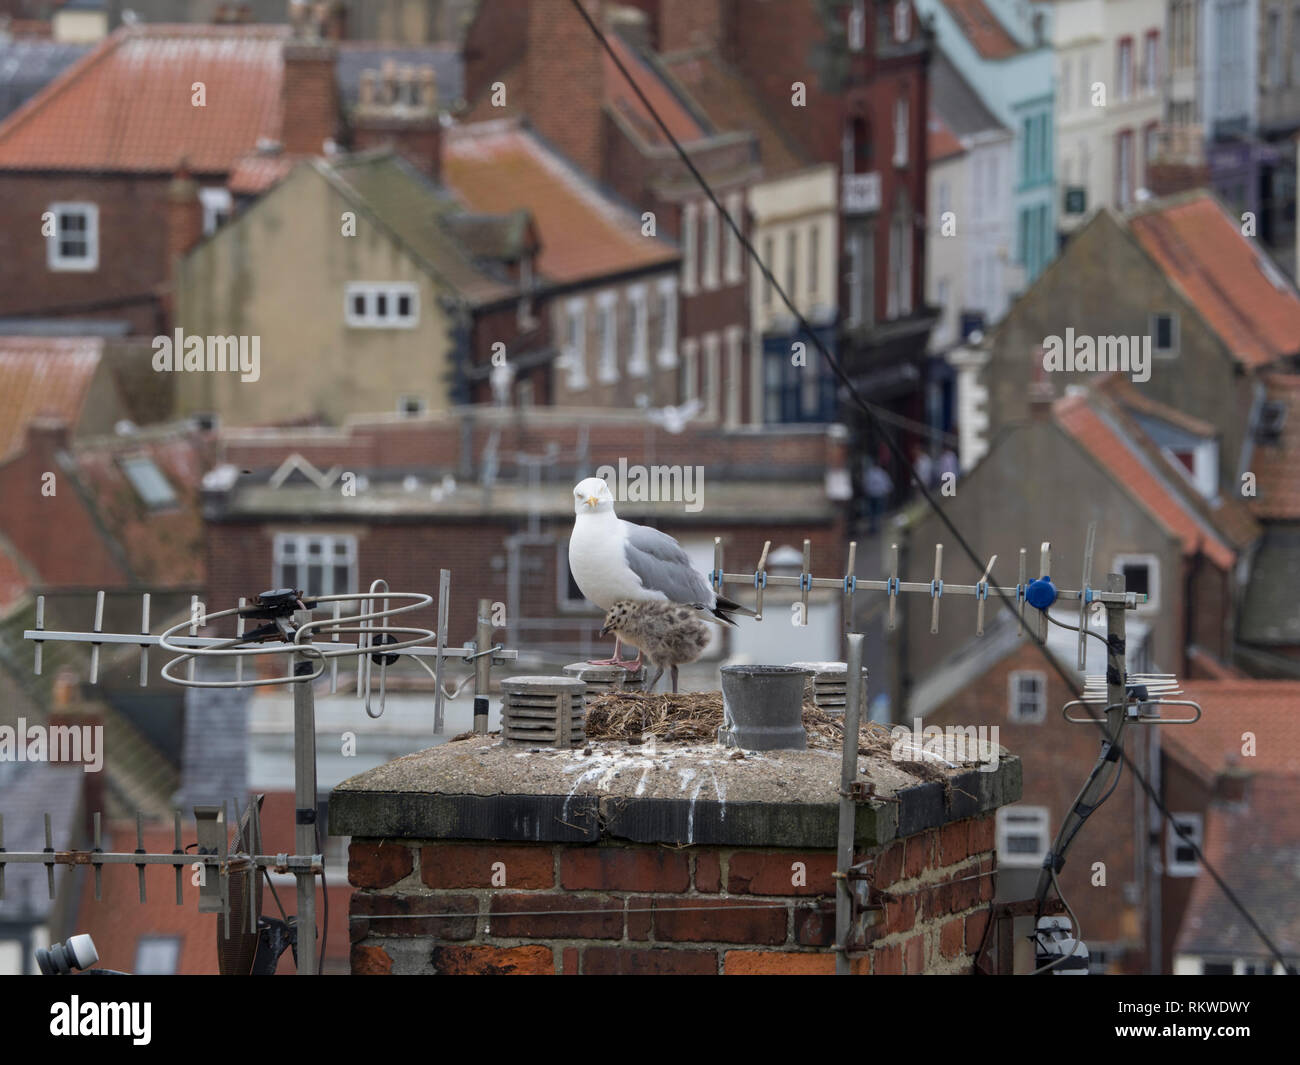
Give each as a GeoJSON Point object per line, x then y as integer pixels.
{"type": "Point", "coordinates": [615, 661]}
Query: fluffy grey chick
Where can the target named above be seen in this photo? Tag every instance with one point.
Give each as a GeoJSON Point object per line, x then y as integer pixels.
{"type": "Point", "coordinates": [668, 634]}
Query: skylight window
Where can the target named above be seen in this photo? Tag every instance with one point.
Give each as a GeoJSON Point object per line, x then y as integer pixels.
{"type": "Point", "coordinates": [148, 481]}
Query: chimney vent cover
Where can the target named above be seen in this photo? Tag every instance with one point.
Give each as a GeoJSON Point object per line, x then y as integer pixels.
{"type": "Point", "coordinates": [543, 711]}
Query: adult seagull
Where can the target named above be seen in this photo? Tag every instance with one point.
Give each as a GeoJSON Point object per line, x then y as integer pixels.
{"type": "Point", "coordinates": [612, 560]}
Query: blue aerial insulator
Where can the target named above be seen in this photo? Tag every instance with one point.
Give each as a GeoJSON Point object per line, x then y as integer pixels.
{"type": "Point", "coordinates": [1040, 593]}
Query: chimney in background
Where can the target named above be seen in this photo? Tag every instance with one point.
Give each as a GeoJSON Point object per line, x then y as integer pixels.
{"type": "Point", "coordinates": [310, 112]}
{"type": "Point", "coordinates": [184, 213]}
{"type": "Point", "coordinates": [564, 79]}
{"type": "Point", "coordinates": [398, 106]}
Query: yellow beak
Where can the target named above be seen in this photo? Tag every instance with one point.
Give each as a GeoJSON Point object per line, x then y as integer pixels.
{"type": "Point", "coordinates": [592, 501]}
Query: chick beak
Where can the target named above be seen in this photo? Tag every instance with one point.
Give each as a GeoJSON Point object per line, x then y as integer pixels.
{"type": "Point", "coordinates": [592, 501]}
{"type": "Point", "coordinates": [604, 631]}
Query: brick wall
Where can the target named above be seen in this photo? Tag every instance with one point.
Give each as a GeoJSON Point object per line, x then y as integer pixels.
{"type": "Point", "coordinates": [564, 67]}
{"type": "Point", "coordinates": [132, 249]}
{"type": "Point", "coordinates": [659, 910]}
{"type": "Point", "coordinates": [311, 113]}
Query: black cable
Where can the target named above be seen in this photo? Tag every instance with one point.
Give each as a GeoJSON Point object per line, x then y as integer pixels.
{"type": "Point", "coordinates": [875, 416]}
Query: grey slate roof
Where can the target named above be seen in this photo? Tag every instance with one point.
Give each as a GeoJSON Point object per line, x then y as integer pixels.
{"type": "Point", "coordinates": [1270, 613]}
{"type": "Point", "coordinates": [214, 762]}
{"type": "Point", "coordinates": [28, 791]}
{"type": "Point", "coordinates": [957, 103]}
{"type": "Point", "coordinates": [27, 66]}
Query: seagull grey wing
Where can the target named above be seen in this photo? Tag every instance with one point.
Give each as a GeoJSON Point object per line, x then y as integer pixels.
{"type": "Point", "coordinates": [662, 566]}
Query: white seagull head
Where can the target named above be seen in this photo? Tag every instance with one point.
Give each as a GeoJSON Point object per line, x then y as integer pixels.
{"type": "Point", "coordinates": [593, 496]}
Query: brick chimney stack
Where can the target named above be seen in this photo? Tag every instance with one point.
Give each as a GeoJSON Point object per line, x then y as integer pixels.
{"type": "Point", "coordinates": [184, 213]}
{"type": "Point", "coordinates": [308, 93]}
{"type": "Point", "coordinates": [564, 79]}
{"type": "Point", "coordinates": [399, 107]}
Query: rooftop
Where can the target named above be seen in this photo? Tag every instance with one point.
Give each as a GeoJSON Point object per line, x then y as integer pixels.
{"type": "Point", "coordinates": [1237, 289]}
{"type": "Point", "coordinates": [126, 106]}
{"type": "Point", "coordinates": [1275, 462]}
{"type": "Point", "coordinates": [499, 167]}
{"type": "Point", "coordinates": [43, 376]}
{"type": "Point", "coordinates": [1270, 709]}
{"type": "Point", "coordinates": [1259, 842]}
{"type": "Point", "coordinates": [477, 788]}
{"type": "Point", "coordinates": [983, 29]}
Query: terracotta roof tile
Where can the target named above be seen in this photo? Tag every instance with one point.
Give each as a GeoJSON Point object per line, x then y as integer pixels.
{"type": "Point", "coordinates": [164, 545]}
{"type": "Point", "coordinates": [982, 28]}
{"type": "Point", "coordinates": [497, 167]}
{"type": "Point", "coordinates": [1079, 416]}
{"type": "Point", "coordinates": [126, 106]}
{"type": "Point", "coordinates": [253, 174]}
{"type": "Point", "coordinates": [1253, 308]}
{"type": "Point", "coordinates": [1276, 464]}
{"type": "Point", "coordinates": [43, 376]}
{"type": "Point", "coordinates": [620, 96]}
{"type": "Point", "coordinates": [1268, 708]}
{"type": "Point", "coordinates": [16, 575]}
{"type": "Point", "coordinates": [1256, 845]}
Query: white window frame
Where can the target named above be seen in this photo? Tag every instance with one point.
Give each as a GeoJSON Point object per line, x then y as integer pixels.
{"type": "Point", "coordinates": [902, 117]}
{"type": "Point", "coordinates": [712, 348]}
{"type": "Point", "coordinates": [61, 263]}
{"type": "Point", "coordinates": [856, 30]}
{"type": "Point", "coordinates": [1015, 697]}
{"type": "Point", "coordinates": [218, 205]}
{"type": "Point", "coordinates": [301, 541]}
{"type": "Point", "coordinates": [1027, 819]}
{"type": "Point", "coordinates": [152, 943]}
{"type": "Point", "coordinates": [1173, 866]}
{"type": "Point", "coordinates": [666, 356]}
{"type": "Point", "coordinates": [732, 274]}
{"type": "Point", "coordinates": [638, 315]}
{"type": "Point", "coordinates": [902, 21]}
{"type": "Point", "coordinates": [711, 249]}
{"type": "Point", "coordinates": [575, 343]}
{"type": "Point", "coordinates": [607, 332]}
{"type": "Point", "coordinates": [1170, 352]}
{"type": "Point", "coordinates": [690, 369]}
{"type": "Point", "coordinates": [1152, 605]}
{"type": "Point", "coordinates": [370, 317]}
{"type": "Point", "coordinates": [690, 218]}
{"type": "Point", "coordinates": [735, 353]}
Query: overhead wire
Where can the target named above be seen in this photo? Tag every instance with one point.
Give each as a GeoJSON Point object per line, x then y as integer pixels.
{"type": "Point", "coordinates": [876, 416]}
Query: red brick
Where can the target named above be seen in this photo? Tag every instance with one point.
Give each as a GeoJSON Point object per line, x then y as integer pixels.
{"type": "Point", "coordinates": [887, 960]}
{"type": "Point", "coordinates": [534, 960]}
{"type": "Point", "coordinates": [640, 917]}
{"type": "Point", "coordinates": [469, 865]}
{"type": "Point", "coordinates": [954, 842]}
{"type": "Point", "coordinates": [371, 961]}
{"type": "Point", "coordinates": [777, 963]}
{"type": "Point", "coordinates": [702, 920]}
{"type": "Point", "coordinates": [899, 915]}
{"type": "Point", "coordinates": [988, 882]}
{"type": "Point", "coordinates": [952, 937]}
{"type": "Point", "coordinates": [815, 928]}
{"type": "Point", "coordinates": [607, 923]}
{"type": "Point", "coordinates": [571, 961]}
{"type": "Point", "coordinates": [771, 873]}
{"type": "Point", "coordinates": [624, 869]}
{"type": "Point", "coordinates": [708, 871]}
{"type": "Point", "coordinates": [983, 835]}
{"type": "Point", "coordinates": [919, 854]}
{"type": "Point", "coordinates": [914, 955]}
{"type": "Point", "coordinates": [379, 865]}
{"type": "Point", "coordinates": [375, 908]}
{"type": "Point", "coordinates": [888, 867]}
{"type": "Point", "coordinates": [614, 961]}
{"type": "Point", "coordinates": [976, 924]}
